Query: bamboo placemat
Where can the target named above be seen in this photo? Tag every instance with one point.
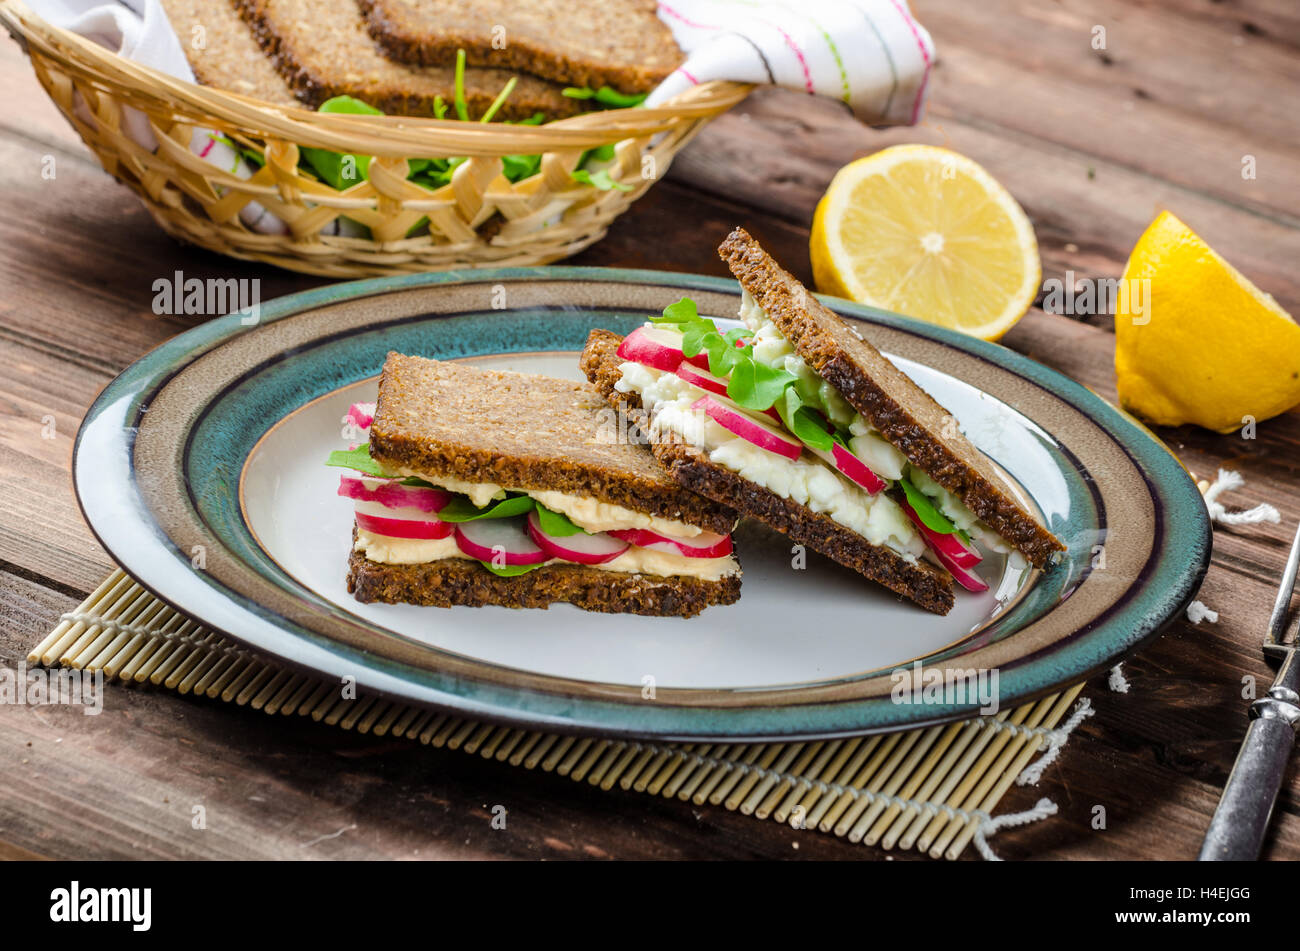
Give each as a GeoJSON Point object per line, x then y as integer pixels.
{"type": "Point", "coordinates": [932, 790]}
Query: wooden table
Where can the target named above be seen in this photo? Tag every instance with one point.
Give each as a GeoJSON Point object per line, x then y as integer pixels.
{"type": "Point", "coordinates": [1092, 142]}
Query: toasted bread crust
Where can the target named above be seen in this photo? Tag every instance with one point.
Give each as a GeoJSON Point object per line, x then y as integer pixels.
{"type": "Point", "coordinates": [458, 581]}
{"type": "Point", "coordinates": [522, 431]}
{"type": "Point", "coordinates": [618, 43]}
{"type": "Point", "coordinates": [323, 50]}
{"type": "Point", "coordinates": [922, 582]}
{"type": "Point", "coordinates": [904, 413]}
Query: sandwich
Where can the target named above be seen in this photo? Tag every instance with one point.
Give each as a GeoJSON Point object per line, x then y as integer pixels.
{"type": "Point", "coordinates": [323, 50]}
{"type": "Point", "coordinates": [620, 44]}
{"type": "Point", "coordinates": [795, 419]}
{"type": "Point", "coordinates": [482, 487]}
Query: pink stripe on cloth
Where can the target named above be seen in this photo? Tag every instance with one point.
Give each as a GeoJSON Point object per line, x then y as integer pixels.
{"type": "Point", "coordinates": [925, 55]}
{"type": "Point", "coordinates": [691, 23]}
{"type": "Point", "coordinates": [682, 70]}
{"type": "Point", "coordinates": [212, 140]}
{"type": "Point", "coordinates": [803, 63]}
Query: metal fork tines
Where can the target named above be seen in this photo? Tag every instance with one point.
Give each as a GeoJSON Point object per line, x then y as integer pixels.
{"type": "Point", "coordinates": [1276, 644]}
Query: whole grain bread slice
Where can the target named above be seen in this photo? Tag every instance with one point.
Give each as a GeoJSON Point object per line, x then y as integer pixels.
{"type": "Point", "coordinates": [323, 50]}
{"type": "Point", "coordinates": [222, 51]}
{"type": "Point", "coordinates": [922, 582]}
{"type": "Point", "coordinates": [521, 431]}
{"type": "Point", "coordinates": [618, 43]}
{"type": "Point", "coordinates": [449, 582]}
{"type": "Point", "coordinates": [905, 414]}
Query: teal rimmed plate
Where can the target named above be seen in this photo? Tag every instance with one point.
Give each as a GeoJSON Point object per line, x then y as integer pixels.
{"type": "Point", "coordinates": [200, 470]}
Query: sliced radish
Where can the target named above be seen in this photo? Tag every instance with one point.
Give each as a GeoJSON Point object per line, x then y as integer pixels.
{"type": "Point", "coordinates": [752, 430]}
{"type": "Point", "coordinates": [655, 347]}
{"type": "Point", "coordinates": [392, 494]}
{"type": "Point", "coordinates": [581, 548]}
{"type": "Point", "coordinates": [502, 541]}
{"type": "Point", "coordinates": [402, 527]}
{"type": "Point", "coordinates": [704, 545]}
{"type": "Point", "coordinates": [362, 414]}
{"type": "Point", "coordinates": [853, 467]}
{"type": "Point", "coordinates": [716, 385]}
{"type": "Point", "coordinates": [965, 577]}
{"type": "Point", "coordinates": [949, 547]}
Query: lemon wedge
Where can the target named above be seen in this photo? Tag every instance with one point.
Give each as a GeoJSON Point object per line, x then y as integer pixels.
{"type": "Point", "coordinates": [1195, 341]}
{"type": "Point", "coordinates": [926, 232]}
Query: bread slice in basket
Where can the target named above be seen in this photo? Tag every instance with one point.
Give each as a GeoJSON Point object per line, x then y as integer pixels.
{"type": "Point", "coordinates": [616, 43]}
{"type": "Point", "coordinates": [323, 50]}
{"type": "Point", "coordinates": [223, 53]}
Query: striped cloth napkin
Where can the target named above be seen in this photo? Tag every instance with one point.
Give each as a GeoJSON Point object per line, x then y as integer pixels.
{"type": "Point", "coordinates": [871, 55]}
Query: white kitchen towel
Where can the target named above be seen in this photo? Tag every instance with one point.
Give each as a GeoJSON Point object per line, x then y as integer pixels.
{"type": "Point", "coordinates": [872, 55]}
{"type": "Point", "coordinates": [140, 31]}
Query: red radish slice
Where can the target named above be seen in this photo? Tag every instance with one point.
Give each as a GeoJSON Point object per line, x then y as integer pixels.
{"type": "Point", "coordinates": [965, 577]}
{"type": "Point", "coordinates": [703, 379]}
{"type": "Point", "coordinates": [362, 414]}
{"type": "Point", "coordinates": [948, 547]}
{"type": "Point", "coordinates": [717, 386]}
{"type": "Point", "coordinates": [655, 347]}
{"type": "Point", "coordinates": [580, 548]}
{"type": "Point", "coordinates": [853, 467]}
{"type": "Point", "coordinates": [752, 430]}
{"type": "Point", "coordinates": [390, 493]}
{"type": "Point", "coordinates": [499, 541]}
{"type": "Point", "coordinates": [704, 545]}
{"type": "Point", "coordinates": [402, 527]}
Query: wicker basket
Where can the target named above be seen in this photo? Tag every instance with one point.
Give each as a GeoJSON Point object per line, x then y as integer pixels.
{"type": "Point", "coordinates": [479, 219]}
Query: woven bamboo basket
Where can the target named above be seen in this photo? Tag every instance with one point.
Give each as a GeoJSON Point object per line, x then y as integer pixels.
{"type": "Point", "coordinates": [479, 219]}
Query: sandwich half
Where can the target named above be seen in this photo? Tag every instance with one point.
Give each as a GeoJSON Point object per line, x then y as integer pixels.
{"type": "Point", "coordinates": [482, 487]}
{"type": "Point", "coordinates": [795, 420]}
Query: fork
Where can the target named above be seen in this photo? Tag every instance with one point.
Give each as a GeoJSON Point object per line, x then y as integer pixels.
{"type": "Point", "coordinates": [1241, 820]}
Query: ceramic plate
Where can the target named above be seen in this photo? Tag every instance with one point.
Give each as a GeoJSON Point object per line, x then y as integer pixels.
{"type": "Point", "coordinates": [201, 470]}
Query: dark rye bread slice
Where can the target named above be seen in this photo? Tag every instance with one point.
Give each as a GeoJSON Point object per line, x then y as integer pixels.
{"type": "Point", "coordinates": [618, 43]}
{"type": "Point", "coordinates": [458, 581]}
{"type": "Point", "coordinates": [522, 431]}
{"type": "Point", "coordinates": [222, 52]}
{"type": "Point", "coordinates": [323, 50]}
{"type": "Point", "coordinates": [905, 414]}
{"type": "Point", "coordinates": [922, 582]}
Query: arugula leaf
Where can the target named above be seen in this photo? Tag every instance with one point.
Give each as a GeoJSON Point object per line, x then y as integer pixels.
{"type": "Point", "coordinates": [801, 421]}
{"type": "Point", "coordinates": [556, 524]}
{"type": "Point", "coordinates": [461, 509]}
{"type": "Point", "coordinates": [925, 510]}
{"type": "Point", "coordinates": [756, 385]}
{"type": "Point", "coordinates": [358, 458]}
{"type": "Point", "coordinates": [509, 571]}
{"type": "Point", "coordinates": [599, 180]}
{"type": "Point", "coordinates": [499, 101]}
{"type": "Point", "coordinates": [462, 106]}
{"type": "Point", "coordinates": [681, 312]}
{"type": "Point", "coordinates": [606, 96]}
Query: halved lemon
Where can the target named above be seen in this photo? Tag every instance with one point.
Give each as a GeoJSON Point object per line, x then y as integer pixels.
{"type": "Point", "coordinates": [926, 232]}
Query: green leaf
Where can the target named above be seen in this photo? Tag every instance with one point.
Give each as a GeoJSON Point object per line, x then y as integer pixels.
{"type": "Point", "coordinates": [606, 96]}
{"type": "Point", "coordinates": [755, 385]}
{"type": "Point", "coordinates": [349, 106]}
{"type": "Point", "coordinates": [461, 509]}
{"type": "Point", "coordinates": [509, 571]}
{"type": "Point", "coordinates": [802, 422]}
{"type": "Point", "coordinates": [684, 311]}
{"type": "Point", "coordinates": [462, 106]}
{"type": "Point", "coordinates": [930, 516]}
{"type": "Point", "coordinates": [499, 101]}
{"type": "Point", "coordinates": [358, 458]}
{"type": "Point", "coordinates": [518, 167]}
{"type": "Point", "coordinates": [556, 524]}
{"type": "Point", "coordinates": [599, 180]}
